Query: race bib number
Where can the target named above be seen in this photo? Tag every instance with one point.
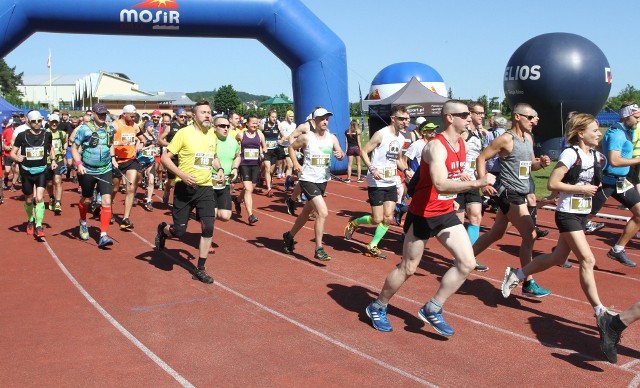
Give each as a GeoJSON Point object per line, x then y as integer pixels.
{"type": "Point", "coordinates": [525, 169]}
{"type": "Point", "coordinates": [286, 151]}
{"type": "Point", "coordinates": [203, 161]}
{"type": "Point", "coordinates": [622, 185]}
{"type": "Point", "coordinates": [151, 151]}
{"type": "Point", "coordinates": [57, 144]}
{"type": "Point", "coordinates": [221, 185]}
{"type": "Point", "coordinates": [251, 154]}
{"type": "Point", "coordinates": [580, 204]}
{"type": "Point", "coordinates": [390, 172]}
{"type": "Point", "coordinates": [128, 138]}
{"type": "Point", "coordinates": [34, 153]}
{"type": "Point", "coordinates": [271, 144]}
{"type": "Point", "coordinates": [472, 165]}
{"type": "Point", "coordinates": [320, 160]}
{"type": "Point", "coordinates": [447, 196]}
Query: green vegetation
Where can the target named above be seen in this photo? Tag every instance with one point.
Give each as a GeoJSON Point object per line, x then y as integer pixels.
{"type": "Point", "coordinates": [540, 178]}
{"type": "Point", "coordinates": [9, 82]}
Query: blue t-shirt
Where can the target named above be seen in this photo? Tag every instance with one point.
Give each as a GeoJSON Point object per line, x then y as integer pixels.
{"type": "Point", "coordinates": [617, 138]}
{"type": "Point", "coordinates": [95, 143]}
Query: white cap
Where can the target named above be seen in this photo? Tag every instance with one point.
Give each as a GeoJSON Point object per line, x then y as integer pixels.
{"type": "Point", "coordinates": [34, 115]}
{"type": "Point", "coordinates": [321, 112]}
{"type": "Point", "coordinates": [53, 117]}
{"type": "Point", "coordinates": [420, 120]}
{"type": "Point", "coordinates": [129, 109]}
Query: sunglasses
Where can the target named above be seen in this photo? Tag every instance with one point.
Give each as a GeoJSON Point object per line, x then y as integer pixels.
{"type": "Point", "coordinates": [479, 113]}
{"type": "Point", "coordinates": [35, 121]}
{"type": "Point", "coordinates": [155, 117]}
{"type": "Point", "coordinates": [182, 116]}
{"type": "Point", "coordinates": [462, 115]}
{"type": "Point", "coordinates": [527, 117]}
{"type": "Point", "coordinates": [402, 118]}
{"type": "Point", "coordinates": [223, 125]}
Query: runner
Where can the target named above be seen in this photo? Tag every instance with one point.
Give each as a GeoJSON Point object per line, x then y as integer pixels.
{"type": "Point", "coordinates": [274, 153]}
{"type": "Point", "coordinates": [146, 160]}
{"type": "Point", "coordinates": [252, 150]}
{"type": "Point", "coordinates": [287, 127]}
{"type": "Point", "coordinates": [54, 184]}
{"type": "Point", "coordinates": [164, 140]}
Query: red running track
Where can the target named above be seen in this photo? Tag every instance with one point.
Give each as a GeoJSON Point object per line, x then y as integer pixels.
{"type": "Point", "coordinates": [76, 315]}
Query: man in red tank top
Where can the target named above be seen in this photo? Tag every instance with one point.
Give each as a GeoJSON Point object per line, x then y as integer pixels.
{"type": "Point", "coordinates": [432, 214]}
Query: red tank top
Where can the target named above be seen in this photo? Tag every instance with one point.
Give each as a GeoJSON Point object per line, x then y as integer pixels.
{"type": "Point", "coordinates": [426, 201]}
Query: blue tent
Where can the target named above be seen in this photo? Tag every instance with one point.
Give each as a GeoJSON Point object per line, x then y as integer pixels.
{"type": "Point", "coordinates": [6, 109]}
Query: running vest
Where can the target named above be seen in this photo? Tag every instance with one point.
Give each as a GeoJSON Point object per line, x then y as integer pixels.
{"type": "Point", "coordinates": [149, 151]}
{"type": "Point", "coordinates": [271, 136]}
{"type": "Point", "coordinates": [317, 158]}
{"type": "Point", "coordinates": [474, 147]}
{"type": "Point", "coordinates": [384, 158]}
{"type": "Point", "coordinates": [250, 150]}
{"type": "Point", "coordinates": [515, 168]}
{"type": "Point", "coordinates": [585, 170]}
{"type": "Point", "coordinates": [426, 201]}
{"type": "Point", "coordinates": [58, 138]}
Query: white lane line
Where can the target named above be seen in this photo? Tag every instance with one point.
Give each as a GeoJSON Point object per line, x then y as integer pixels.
{"type": "Point", "coordinates": [303, 326]}
{"type": "Point", "coordinates": [181, 380]}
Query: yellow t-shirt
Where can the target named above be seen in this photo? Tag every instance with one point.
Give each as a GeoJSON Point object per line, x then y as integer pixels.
{"type": "Point", "coordinates": [195, 151]}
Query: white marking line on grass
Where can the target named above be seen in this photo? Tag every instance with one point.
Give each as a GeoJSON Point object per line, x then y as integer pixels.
{"type": "Point", "coordinates": [181, 380]}
{"type": "Point", "coordinates": [307, 328]}
{"type": "Point", "coordinates": [493, 327]}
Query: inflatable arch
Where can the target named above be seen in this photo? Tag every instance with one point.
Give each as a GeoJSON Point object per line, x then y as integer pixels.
{"type": "Point", "coordinates": [314, 53]}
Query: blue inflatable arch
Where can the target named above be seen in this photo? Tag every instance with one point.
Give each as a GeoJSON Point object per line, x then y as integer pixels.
{"type": "Point", "coordinates": [314, 53]}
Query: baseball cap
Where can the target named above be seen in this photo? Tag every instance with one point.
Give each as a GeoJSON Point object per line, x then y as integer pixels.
{"type": "Point", "coordinates": [321, 112]}
{"type": "Point", "coordinates": [156, 113]}
{"type": "Point", "coordinates": [628, 111]}
{"type": "Point", "coordinates": [129, 109]}
{"type": "Point", "coordinates": [420, 120]}
{"type": "Point", "coordinates": [146, 115]}
{"type": "Point", "coordinates": [54, 117]}
{"type": "Point", "coordinates": [180, 111]}
{"type": "Point", "coordinates": [99, 108]}
{"type": "Point", "coordinates": [34, 115]}
{"type": "Point", "coordinates": [429, 127]}
{"type": "Point", "coordinates": [148, 124]}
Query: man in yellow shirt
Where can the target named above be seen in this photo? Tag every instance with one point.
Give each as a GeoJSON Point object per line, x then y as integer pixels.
{"type": "Point", "coordinates": [195, 148]}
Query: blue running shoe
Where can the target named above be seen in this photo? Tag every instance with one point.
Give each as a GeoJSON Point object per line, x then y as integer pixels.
{"type": "Point", "coordinates": [436, 320]}
{"type": "Point", "coordinates": [84, 231]}
{"type": "Point", "coordinates": [287, 183]}
{"type": "Point", "coordinates": [532, 289]}
{"type": "Point", "coordinates": [105, 241]}
{"type": "Point", "coordinates": [378, 318]}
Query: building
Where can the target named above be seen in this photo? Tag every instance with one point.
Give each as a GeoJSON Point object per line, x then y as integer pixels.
{"type": "Point", "coordinates": [58, 92]}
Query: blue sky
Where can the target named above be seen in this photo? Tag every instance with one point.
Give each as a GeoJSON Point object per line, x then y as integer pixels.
{"type": "Point", "coordinates": [468, 42]}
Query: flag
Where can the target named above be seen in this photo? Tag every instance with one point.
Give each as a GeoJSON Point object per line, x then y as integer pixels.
{"type": "Point", "coordinates": [49, 60]}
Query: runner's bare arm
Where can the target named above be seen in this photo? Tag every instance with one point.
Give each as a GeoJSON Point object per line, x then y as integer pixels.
{"type": "Point", "coordinates": [435, 155]}
{"type": "Point", "coordinates": [337, 150]}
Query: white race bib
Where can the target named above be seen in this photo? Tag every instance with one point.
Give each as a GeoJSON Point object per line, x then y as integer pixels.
{"type": "Point", "coordinates": [34, 153]}
{"type": "Point", "coordinates": [203, 160]}
{"type": "Point", "coordinates": [271, 144]}
{"type": "Point", "coordinates": [390, 172]}
{"type": "Point", "coordinates": [251, 154]}
{"type": "Point", "coordinates": [525, 169]}
{"type": "Point", "coordinates": [580, 204]}
{"type": "Point", "coordinates": [320, 160]}
{"type": "Point", "coordinates": [622, 185]}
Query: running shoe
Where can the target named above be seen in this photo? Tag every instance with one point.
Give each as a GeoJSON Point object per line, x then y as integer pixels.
{"type": "Point", "coordinates": [202, 275]}
{"type": "Point", "coordinates": [509, 282]}
{"type": "Point", "coordinates": [160, 236]}
{"type": "Point", "coordinates": [269, 193]}
{"type": "Point", "coordinates": [621, 257]}
{"type": "Point", "coordinates": [238, 205]}
{"type": "Point", "coordinates": [378, 318]}
{"type": "Point", "coordinates": [1, 199]}
{"type": "Point", "coordinates": [148, 206]}
{"type": "Point", "coordinates": [592, 227]}
{"type": "Point", "coordinates": [253, 219]}
{"type": "Point", "coordinates": [609, 337]}
{"type": "Point", "coordinates": [57, 208]}
{"type": "Point", "coordinates": [13, 188]}
{"type": "Point", "coordinates": [39, 233]}
{"type": "Point", "coordinates": [321, 254]}
{"type": "Point", "coordinates": [112, 220]}
{"type": "Point", "coordinates": [123, 189]}
{"type": "Point", "coordinates": [126, 224]}
{"type": "Point", "coordinates": [52, 203]}
{"type": "Point", "coordinates": [83, 231]}
{"type": "Point", "coordinates": [289, 244]}
{"type": "Point", "coordinates": [360, 180]}
{"type": "Point", "coordinates": [540, 233]}
{"type": "Point", "coordinates": [350, 229]}
{"type": "Point", "coordinates": [566, 264]}
{"type": "Point", "coordinates": [291, 206]}
{"type": "Point", "coordinates": [30, 227]}
{"type": "Point", "coordinates": [375, 252]}
{"type": "Point", "coordinates": [347, 180]}
{"type": "Point", "coordinates": [532, 289]}
{"type": "Point", "coordinates": [436, 320]}
{"type": "Point", "coordinates": [288, 183]}
{"type": "Point", "coordinates": [105, 241]}
{"type": "Point", "coordinates": [165, 198]}
{"type": "Point", "coordinates": [481, 267]}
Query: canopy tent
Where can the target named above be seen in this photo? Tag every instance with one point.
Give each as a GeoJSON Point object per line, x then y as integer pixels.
{"type": "Point", "coordinates": [276, 101]}
{"type": "Point", "coordinates": [6, 109]}
{"type": "Point", "coordinates": [417, 98]}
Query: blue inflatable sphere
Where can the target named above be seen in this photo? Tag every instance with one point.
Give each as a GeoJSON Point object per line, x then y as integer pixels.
{"type": "Point", "coordinates": [393, 77]}
{"type": "Point", "coordinates": [557, 73]}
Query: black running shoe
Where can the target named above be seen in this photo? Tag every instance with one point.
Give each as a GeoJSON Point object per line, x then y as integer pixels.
{"type": "Point", "coordinates": [609, 337]}
{"type": "Point", "coordinates": [291, 206]}
{"type": "Point", "coordinates": [540, 233]}
{"type": "Point", "coordinates": [253, 219]}
{"type": "Point", "coordinates": [321, 254]}
{"type": "Point", "coordinates": [126, 224]}
{"type": "Point", "coordinates": [202, 275]}
{"type": "Point", "coordinates": [289, 244]}
{"type": "Point", "coordinates": [621, 257]}
{"type": "Point", "coordinates": [237, 205]}
{"type": "Point", "coordinates": [160, 236]}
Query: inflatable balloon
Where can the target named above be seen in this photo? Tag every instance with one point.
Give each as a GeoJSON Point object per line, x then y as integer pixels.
{"type": "Point", "coordinates": [393, 77]}
{"type": "Point", "coordinates": [557, 73]}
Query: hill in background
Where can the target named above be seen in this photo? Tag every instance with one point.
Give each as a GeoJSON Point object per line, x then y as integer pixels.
{"type": "Point", "coordinates": [243, 96]}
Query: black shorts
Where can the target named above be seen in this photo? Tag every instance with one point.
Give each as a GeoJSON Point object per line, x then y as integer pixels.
{"type": "Point", "coordinates": [424, 228]}
{"type": "Point", "coordinates": [380, 195]}
{"type": "Point", "coordinates": [629, 198]}
{"type": "Point", "coordinates": [88, 183]}
{"type": "Point", "coordinates": [37, 180]}
{"type": "Point", "coordinates": [508, 198]}
{"type": "Point", "coordinates": [170, 175]}
{"type": "Point", "coordinates": [271, 156]}
{"type": "Point", "coordinates": [143, 166]}
{"type": "Point", "coordinates": [467, 198]}
{"type": "Point", "coordinates": [570, 222]}
{"type": "Point", "coordinates": [249, 173]}
{"type": "Point", "coordinates": [132, 164]}
{"type": "Point", "coordinates": [284, 152]}
{"type": "Point", "coordinates": [312, 190]}
{"type": "Point", "coordinates": [532, 185]}
{"type": "Point", "coordinates": [186, 198]}
{"type": "Point", "coordinates": [223, 198]}
{"type": "Point", "coordinates": [7, 161]}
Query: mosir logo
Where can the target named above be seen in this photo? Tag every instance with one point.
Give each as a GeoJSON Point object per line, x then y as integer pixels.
{"type": "Point", "coordinates": [160, 14]}
{"type": "Point", "coordinates": [523, 73]}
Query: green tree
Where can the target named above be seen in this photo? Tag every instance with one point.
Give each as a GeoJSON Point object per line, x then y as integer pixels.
{"type": "Point", "coordinates": [629, 93]}
{"type": "Point", "coordinates": [493, 103]}
{"type": "Point", "coordinates": [485, 102]}
{"type": "Point", "coordinates": [9, 82]}
{"type": "Point", "coordinates": [226, 99]}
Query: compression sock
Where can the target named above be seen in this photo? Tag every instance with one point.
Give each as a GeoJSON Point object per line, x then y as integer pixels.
{"type": "Point", "coordinates": [201, 261]}
{"type": "Point", "coordinates": [29, 210]}
{"type": "Point", "coordinates": [381, 230]}
{"type": "Point", "coordinates": [39, 213]}
{"type": "Point", "coordinates": [105, 218]}
{"type": "Point", "coordinates": [82, 208]}
{"type": "Point", "coordinates": [474, 232]}
{"type": "Point", "coordinates": [364, 220]}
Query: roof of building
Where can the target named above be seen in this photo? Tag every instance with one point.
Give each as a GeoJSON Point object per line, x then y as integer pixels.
{"type": "Point", "coordinates": [56, 79]}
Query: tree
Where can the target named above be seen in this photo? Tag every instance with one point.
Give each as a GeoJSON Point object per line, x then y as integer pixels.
{"type": "Point", "coordinates": [226, 99]}
{"type": "Point", "coordinates": [9, 82]}
{"type": "Point", "coordinates": [629, 93]}
{"type": "Point", "coordinates": [484, 101]}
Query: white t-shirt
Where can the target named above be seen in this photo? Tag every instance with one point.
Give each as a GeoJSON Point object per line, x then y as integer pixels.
{"type": "Point", "coordinates": [576, 203]}
{"type": "Point", "coordinates": [415, 150]}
